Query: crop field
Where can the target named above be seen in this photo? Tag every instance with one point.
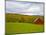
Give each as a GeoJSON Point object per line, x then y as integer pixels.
{"type": "Point", "coordinates": [15, 28]}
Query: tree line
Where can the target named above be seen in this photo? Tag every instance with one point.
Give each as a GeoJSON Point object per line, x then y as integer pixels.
{"type": "Point", "coordinates": [19, 18]}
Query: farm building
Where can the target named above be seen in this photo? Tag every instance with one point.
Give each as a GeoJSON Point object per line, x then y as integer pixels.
{"type": "Point", "coordinates": [39, 21]}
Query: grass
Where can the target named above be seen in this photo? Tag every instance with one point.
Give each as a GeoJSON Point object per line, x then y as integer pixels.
{"type": "Point", "coordinates": [13, 28]}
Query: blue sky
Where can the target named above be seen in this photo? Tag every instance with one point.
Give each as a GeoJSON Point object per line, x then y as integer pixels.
{"type": "Point", "coordinates": [26, 8]}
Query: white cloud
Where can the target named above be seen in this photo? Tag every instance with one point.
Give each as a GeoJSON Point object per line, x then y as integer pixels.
{"type": "Point", "coordinates": [24, 8]}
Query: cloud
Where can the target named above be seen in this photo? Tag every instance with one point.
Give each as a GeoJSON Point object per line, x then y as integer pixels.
{"type": "Point", "coordinates": [26, 8]}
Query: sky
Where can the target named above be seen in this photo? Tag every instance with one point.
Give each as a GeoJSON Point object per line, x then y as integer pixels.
{"type": "Point", "coordinates": [26, 8]}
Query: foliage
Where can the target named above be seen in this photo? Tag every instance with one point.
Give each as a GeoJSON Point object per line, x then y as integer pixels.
{"type": "Point", "coordinates": [20, 18]}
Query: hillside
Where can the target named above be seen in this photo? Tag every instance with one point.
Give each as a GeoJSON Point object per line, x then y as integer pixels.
{"type": "Point", "coordinates": [10, 17]}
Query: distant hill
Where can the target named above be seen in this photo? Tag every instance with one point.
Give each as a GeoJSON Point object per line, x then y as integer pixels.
{"type": "Point", "coordinates": [12, 17]}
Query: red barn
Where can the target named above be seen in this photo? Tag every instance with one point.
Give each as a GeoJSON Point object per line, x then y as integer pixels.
{"type": "Point", "coordinates": [38, 21]}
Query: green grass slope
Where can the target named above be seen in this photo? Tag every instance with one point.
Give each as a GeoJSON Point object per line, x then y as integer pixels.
{"type": "Point", "coordinates": [13, 28]}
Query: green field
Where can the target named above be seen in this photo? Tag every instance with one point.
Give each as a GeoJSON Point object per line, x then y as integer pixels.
{"type": "Point", "coordinates": [15, 28]}
{"type": "Point", "coordinates": [17, 24]}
